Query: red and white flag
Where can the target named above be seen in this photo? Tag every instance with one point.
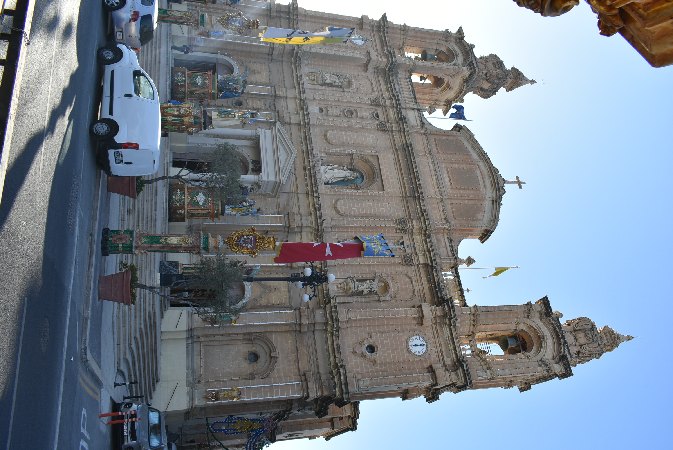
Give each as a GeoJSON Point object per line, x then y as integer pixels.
{"type": "Point", "coordinates": [291, 252]}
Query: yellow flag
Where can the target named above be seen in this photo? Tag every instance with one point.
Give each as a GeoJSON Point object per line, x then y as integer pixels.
{"type": "Point", "coordinates": [499, 270]}
{"type": "Point", "coordinates": [299, 40]}
{"type": "Point", "coordinates": [291, 36]}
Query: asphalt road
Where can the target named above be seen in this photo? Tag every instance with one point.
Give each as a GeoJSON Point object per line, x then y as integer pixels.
{"type": "Point", "coordinates": [48, 400]}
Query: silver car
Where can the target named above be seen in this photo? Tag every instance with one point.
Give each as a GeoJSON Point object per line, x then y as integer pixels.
{"type": "Point", "coordinates": [145, 430]}
{"type": "Point", "coordinates": [133, 21]}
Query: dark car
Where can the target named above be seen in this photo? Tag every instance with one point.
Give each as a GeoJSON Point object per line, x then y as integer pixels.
{"type": "Point", "coordinates": [145, 428]}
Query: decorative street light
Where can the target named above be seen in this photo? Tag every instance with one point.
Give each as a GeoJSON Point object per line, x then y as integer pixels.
{"type": "Point", "coordinates": [308, 278]}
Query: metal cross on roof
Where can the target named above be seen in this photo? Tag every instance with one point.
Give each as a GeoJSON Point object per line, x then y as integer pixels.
{"type": "Point", "coordinates": [517, 181]}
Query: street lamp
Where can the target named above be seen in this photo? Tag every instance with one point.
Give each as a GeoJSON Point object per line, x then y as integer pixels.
{"type": "Point", "coordinates": [308, 278]}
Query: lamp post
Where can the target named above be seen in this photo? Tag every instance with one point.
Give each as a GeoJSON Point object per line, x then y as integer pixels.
{"type": "Point", "coordinates": [308, 278]}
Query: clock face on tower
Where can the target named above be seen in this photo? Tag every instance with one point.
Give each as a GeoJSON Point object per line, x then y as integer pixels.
{"type": "Point", "coordinates": [417, 345]}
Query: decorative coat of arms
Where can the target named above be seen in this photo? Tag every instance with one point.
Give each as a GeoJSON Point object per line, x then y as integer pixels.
{"type": "Point", "coordinates": [250, 242]}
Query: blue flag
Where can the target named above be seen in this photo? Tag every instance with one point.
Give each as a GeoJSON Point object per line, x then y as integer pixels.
{"type": "Point", "coordinates": [459, 114]}
{"type": "Point", "coordinates": [375, 245]}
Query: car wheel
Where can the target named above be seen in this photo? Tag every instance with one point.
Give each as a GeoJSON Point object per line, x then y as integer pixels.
{"type": "Point", "coordinates": [104, 129]}
{"type": "Point", "coordinates": [109, 55]}
{"type": "Point", "coordinates": [113, 5]}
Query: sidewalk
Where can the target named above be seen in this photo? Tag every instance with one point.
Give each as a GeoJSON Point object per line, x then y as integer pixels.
{"type": "Point", "coordinates": [120, 343]}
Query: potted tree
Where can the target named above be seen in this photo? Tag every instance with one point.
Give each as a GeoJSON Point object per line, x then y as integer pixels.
{"type": "Point", "coordinates": [127, 186]}
{"type": "Point", "coordinates": [212, 288]}
{"type": "Point", "coordinates": [119, 287]}
{"type": "Point", "coordinates": [220, 173]}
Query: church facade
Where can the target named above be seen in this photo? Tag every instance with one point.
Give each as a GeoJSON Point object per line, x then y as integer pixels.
{"type": "Point", "coordinates": [334, 144]}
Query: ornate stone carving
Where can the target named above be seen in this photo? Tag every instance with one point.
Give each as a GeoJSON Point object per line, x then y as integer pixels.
{"type": "Point", "coordinates": [548, 8]}
{"type": "Point", "coordinates": [493, 75]}
{"type": "Point", "coordinates": [408, 259]}
{"type": "Point", "coordinates": [587, 342]}
{"type": "Point", "coordinates": [330, 79]}
{"type": "Point", "coordinates": [377, 101]}
{"type": "Point", "coordinates": [402, 225]}
{"type": "Point", "coordinates": [382, 126]}
{"type": "Point", "coordinates": [363, 286]}
{"type": "Point", "coordinates": [645, 24]}
{"type": "Point", "coordinates": [223, 395]}
{"type": "Point", "coordinates": [250, 242]}
{"type": "Point", "coordinates": [467, 261]}
{"type": "Point", "coordinates": [333, 174]}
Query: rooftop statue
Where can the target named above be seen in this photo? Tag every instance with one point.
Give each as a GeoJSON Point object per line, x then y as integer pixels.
{"type": "Point", "coordinates": [646, 24]}
{"type": "Point", "coordinates": [548, 8]}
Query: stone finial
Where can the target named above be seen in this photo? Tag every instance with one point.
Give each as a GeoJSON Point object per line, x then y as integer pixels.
{"type": "Point", "coordinates": [587, 342]}
{"type": "Point", "coordinates": [467, 262]}
{"type": "Point", "coordinates": [515, 79]}
{"type": "Point", "coordinates": [611, 339]}
{"type": "Point", "coordinates": [548, 8]}
{"type": "Point", "coordinates": [492, 74]}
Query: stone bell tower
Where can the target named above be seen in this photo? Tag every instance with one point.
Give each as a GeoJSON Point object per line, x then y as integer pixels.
{"type": "Point", "coordinates": [444, 68]}
{"type": "Point", "coordinates": [522, 345]}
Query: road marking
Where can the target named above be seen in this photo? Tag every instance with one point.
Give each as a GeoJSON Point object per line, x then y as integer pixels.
{"type": "Point", "coordinates": [83, 444]}
{"type": "Point", "coordinates": [18, 367]}
{"type": "Point", "coordinates": [91, 74]}
{"type": "Point", "coordinates": [89, 387]}
{"type": "Point", "coordinates": [48, 105]}
{"type": "Point", "coordinates": [82, 424]}
{"type": "Point", "coordinates": [67, 327]}
{"type": "Point", "coordinates": [67, 322]}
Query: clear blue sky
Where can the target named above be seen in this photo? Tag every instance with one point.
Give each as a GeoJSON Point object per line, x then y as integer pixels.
{"type": "Point", "coordinates": [591, 229]}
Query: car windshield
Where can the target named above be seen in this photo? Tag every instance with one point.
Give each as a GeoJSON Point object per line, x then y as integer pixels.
{"type": "Point", "coordinates": [147, 2]}
{"type": "Point", "coordinates": [146, 28]}
{"type": "Point", "coordinates": [154, 424]}
{"type": "Point", "coordinates": [142, 86]}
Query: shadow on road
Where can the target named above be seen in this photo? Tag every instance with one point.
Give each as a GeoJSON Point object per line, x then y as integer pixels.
{"type": "Point", "coordinates": [61, 179]}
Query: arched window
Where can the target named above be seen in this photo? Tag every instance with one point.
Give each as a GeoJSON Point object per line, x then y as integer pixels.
{"type": "Point", "coordinates": [501, 344]}
{"type": "Point", "coordinates": [446, 56]}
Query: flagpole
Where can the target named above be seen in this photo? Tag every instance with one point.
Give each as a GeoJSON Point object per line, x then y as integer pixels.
{"type": "Point", "coordinates": [500, 270]}
{"type": "Point", "coordinates": [448, 118]}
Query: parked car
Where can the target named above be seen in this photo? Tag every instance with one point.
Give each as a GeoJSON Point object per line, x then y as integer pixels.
{"type": "Point", "coordinates": [129, 128]}
{"type": "Point", "coordinates": [147, 431]}
{"type": "Point", "coordinates": [133, 21]}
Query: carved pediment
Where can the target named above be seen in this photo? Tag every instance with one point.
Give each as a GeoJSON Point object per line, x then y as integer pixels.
{"type": "Point", "coordinates": [278, 154]}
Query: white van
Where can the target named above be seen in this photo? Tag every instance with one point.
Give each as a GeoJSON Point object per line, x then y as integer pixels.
{"type": "Point", "coordinates": [129, 128]}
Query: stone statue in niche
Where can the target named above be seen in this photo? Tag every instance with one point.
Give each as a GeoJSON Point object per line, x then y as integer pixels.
{"type": "Point", "coordinates": [355, 286]}
{"type": "Point", "coordinates": [335, 175]}
{"type": "Point", "coordinates": [365, 287]}
{"type": "Point", "coordinates": [329, 79]}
